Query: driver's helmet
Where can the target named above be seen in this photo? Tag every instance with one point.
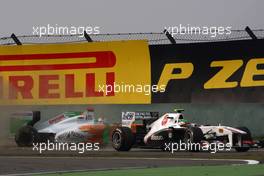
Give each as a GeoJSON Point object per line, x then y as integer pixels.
{"type": "Point", "coordinates": [100, 120]}
{"type": "Point", "coordinates": [182, 120]}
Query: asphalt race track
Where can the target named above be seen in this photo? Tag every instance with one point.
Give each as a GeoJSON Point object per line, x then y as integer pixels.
{"type": "Point", "coordinates": [17, 161]}
{"type": "Point", "coordinates": [19, 165]}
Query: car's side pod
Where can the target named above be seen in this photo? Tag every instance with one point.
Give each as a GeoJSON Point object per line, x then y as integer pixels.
{"type": "Point", "coordinates": [35, 118]}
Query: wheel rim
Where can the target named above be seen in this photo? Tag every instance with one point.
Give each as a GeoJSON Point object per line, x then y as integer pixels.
{"type": "Point", "coordinates": [117, 139]}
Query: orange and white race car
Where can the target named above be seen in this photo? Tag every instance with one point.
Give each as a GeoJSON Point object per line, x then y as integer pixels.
{"type": "Point", "coordinates": [68, 127]}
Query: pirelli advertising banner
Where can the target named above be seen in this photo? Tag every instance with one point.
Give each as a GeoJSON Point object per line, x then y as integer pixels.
{"type": "Point", "coordinates": [131, 72]}
{"type": "Point", "coordinates": [73, 73]}
{"type": "Point", "coordinates": [209, 72]}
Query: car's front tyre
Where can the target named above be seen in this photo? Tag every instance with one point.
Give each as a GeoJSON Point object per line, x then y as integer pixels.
{"type": "Point", "coordinates": [122, 139]}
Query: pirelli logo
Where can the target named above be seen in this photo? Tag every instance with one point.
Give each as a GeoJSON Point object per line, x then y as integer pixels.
{"type": "Point", "coordinates": [50, 62]}
{"type": "Point", "coordinates": [57, 76]}
{"type": "Point", "coordinates": [101, 59]}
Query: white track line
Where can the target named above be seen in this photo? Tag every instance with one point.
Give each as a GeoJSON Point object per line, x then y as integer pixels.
{"type": "Point", "coordinates": [134, 158]}
{"type": "Point", "coordinates": [252, 161]}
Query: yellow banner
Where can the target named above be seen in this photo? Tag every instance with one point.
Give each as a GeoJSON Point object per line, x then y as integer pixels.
{"type": "Point", "coordinates": [84, 73]}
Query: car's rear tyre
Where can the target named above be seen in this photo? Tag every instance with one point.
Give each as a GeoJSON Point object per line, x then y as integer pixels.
{"type": "Point", "coordinates": [193, 137]}
{"type": "Point", "coordinates": [26, 136]}
{"type": "Point", "coordinates": [122, 139]}
{"type": "Point", "coordinates": [246, 137]}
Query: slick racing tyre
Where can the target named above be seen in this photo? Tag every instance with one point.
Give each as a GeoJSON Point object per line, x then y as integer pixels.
{"type": "Point", "coordinates": [122, 139]}
{"type": "Point", "coordinates": [246, 137]}
{"type": "Point", "coordinates": [193, 137]}
{"type": "Point", "coordinates": [26, 136]}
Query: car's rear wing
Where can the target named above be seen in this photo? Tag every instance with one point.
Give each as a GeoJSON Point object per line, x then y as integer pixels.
{"type": "Point", "coordinates": [22, 118]}
{"type": "Point", "coordinates": [35, 118]}
{"type": "Point", "coordinates": [130, 116]}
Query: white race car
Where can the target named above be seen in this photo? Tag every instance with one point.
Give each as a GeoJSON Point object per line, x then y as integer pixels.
{"type": "Point", "coordinates": [147, 129]}
{"type": "Point", "coordinates": [67, 127]}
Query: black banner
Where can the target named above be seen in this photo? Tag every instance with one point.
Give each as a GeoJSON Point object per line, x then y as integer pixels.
{"type": "Point", "coordinates": [230, 71]}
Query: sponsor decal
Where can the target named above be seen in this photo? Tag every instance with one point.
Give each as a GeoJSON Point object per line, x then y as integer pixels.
{"type": "Point", "coordinates": [156, 138]}
{"type": "Point", "coordinates": [56, 119]}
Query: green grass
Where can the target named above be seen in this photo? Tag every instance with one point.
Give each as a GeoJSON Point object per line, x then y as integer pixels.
{"type": "Point", "coordinates": [242, 170]}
